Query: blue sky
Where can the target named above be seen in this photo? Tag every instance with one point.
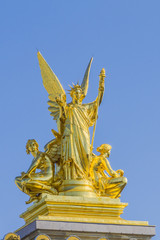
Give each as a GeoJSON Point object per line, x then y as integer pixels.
{"type": "Point", "coordinates": [124, 38]}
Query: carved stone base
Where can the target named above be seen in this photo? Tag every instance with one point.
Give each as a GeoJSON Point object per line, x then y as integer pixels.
{"type": "Point", "coordinates": [78, 209]}
{"type": "Point", "coordinates": [81, 218]}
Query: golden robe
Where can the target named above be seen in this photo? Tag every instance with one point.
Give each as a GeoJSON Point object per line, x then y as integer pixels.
{"type": "Point", "coordinates": [75, 137]}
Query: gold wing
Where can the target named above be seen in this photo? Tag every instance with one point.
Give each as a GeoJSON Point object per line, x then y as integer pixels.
{"type": "Point", "coordinates": [50, 80]}
{"type": "Point", "coordinates": [53, 149]}
{"type": "Point", "coordinates": [85, 81]}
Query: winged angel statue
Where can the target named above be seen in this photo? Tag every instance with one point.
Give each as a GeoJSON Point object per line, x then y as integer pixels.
{"type": "Point", "coordinates": [71, 150]}
{"type": "Point", "coordinates": [73, 120]}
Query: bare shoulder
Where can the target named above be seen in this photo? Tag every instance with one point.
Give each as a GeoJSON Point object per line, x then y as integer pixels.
{"type": "Point", "coordinates": [41, 155]}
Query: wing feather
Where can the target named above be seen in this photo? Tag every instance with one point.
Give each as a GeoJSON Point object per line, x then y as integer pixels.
{"type": "Point", "coordinates": [85, 82]}
{"type": "Point", "coordinates": [54, 109]}
{"type": "Point", "coordinates": [53, 149]}
{"type": "Point", "coordinates": [50, 80]}
{"type": "Point", "coordinates": [52, 104]}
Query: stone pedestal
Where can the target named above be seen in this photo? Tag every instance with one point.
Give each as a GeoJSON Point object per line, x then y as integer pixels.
{"type": "Point", "coordinates": [77, 209]}
{"type": "Point", "coordinates": [81, 218]}
{"type": "Point", "coordinates": [85, 231]}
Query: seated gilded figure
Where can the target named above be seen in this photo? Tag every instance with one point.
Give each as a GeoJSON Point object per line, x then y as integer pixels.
{"type": "Point", "coordinates": [108, 182]}
{"type": "Point", "coordinates": [34, 182]}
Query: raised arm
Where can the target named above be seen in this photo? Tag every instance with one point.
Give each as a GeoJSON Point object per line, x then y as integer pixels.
{"type": "Point", "coordinates": [62, 106]}
{"type": "Point", "coordinates": [98, 101]}
{"type": "Point", "coordinates": [101, 86]}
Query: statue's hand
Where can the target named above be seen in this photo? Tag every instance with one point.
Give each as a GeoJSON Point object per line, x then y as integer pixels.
{"type": "Point", "coordinates": [120, 172]}
{"type": "Point", "coordinates": [101, 85]}
{"type": "Point", "coordinates": [101, 79]}
{"type": "Point", "coordinates": [61, 100]}
{"type": "Point", "coordinates": [115, 174]}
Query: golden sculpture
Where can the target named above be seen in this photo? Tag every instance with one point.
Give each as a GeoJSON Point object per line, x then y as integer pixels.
{"type": "Point", "coordinates": [68, 160]}
{"type": "Point", "coordinates": [42, 237]}
{"type": "Point", "coordinates": [34, 183]}
{"type": "Point", "coordinates": [107, 181]}
{"type": "Point", "coordinates": [11, 236]}
{"type": "Point", "coordinates": [72, 238]}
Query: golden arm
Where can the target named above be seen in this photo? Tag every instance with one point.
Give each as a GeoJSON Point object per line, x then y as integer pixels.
{"type": "Point", "coordinates": [98, 101]}
{"type": "Point", "coordinates": [62, 105]}
{"type": "Point", "coordinates": [108, 168]}
{"type": "Point", "coordinates": [32, 167]}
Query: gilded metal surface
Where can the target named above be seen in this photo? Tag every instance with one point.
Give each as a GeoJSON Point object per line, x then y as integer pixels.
{"type": "Point", "coordinates": [103, 239]}
{"type": "Point", "coordinates": [68, 165]}
{"type": "Point", "coordinates": [42, 237]}
{"type": "Point", "coordinates": [72, 238]}
{"type": "Point", "coordinates": [108, 182]}
{"type": "Point", "coordinates": [76, 209]}
{"type": "Point", "coordinates": [11, 236]}
{"type": "Point", "coordinates": [34, 183]}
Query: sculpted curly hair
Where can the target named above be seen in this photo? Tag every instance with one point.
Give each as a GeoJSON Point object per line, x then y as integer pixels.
{"type": "Point", "coordinates": [104, 148]}
{"type": "Point", "coordinates": [74, 88]}
{"type": "Point", "coordinates": [28, 144]}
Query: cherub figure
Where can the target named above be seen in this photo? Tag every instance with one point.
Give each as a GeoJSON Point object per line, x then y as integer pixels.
{"type": "Point", "coordinates": [35, 183]}
{"type": "Point", "coordinates": [108, 182]}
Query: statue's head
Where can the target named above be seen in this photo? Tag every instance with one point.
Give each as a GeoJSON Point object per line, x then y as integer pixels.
{"type": "Point", "coordinates": [31, 146]}
{"type": "Point", "coordinates": [76, 93]}
{"type": "Point", "coordinates": [104, 148]}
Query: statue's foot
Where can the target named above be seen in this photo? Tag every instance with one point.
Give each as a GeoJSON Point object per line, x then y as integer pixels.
{"type": "Point", "coordinates": [57, 183]}
{"type": "Point", "coordinates": [31, 199]}
{"type": "Point", "coordinates": [36, 198]}
{"type": "Point", "coordinates": [54, 191]}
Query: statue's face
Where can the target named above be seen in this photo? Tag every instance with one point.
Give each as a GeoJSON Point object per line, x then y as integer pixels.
{"type": "Point", "coordinates": [104, 151]}
{"type": "Point", "coordinates": [32, 146]}
{"type": "Point", "coordinates": [77, 95]}
{"type": "Point", "coordinates": [109, 152]}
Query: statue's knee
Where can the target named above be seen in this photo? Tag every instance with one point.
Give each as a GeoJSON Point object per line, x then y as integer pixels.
{"type": "Point", "coordinates": [17, 179]}
{"type": "Point", "coordinates": [125, 180]}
